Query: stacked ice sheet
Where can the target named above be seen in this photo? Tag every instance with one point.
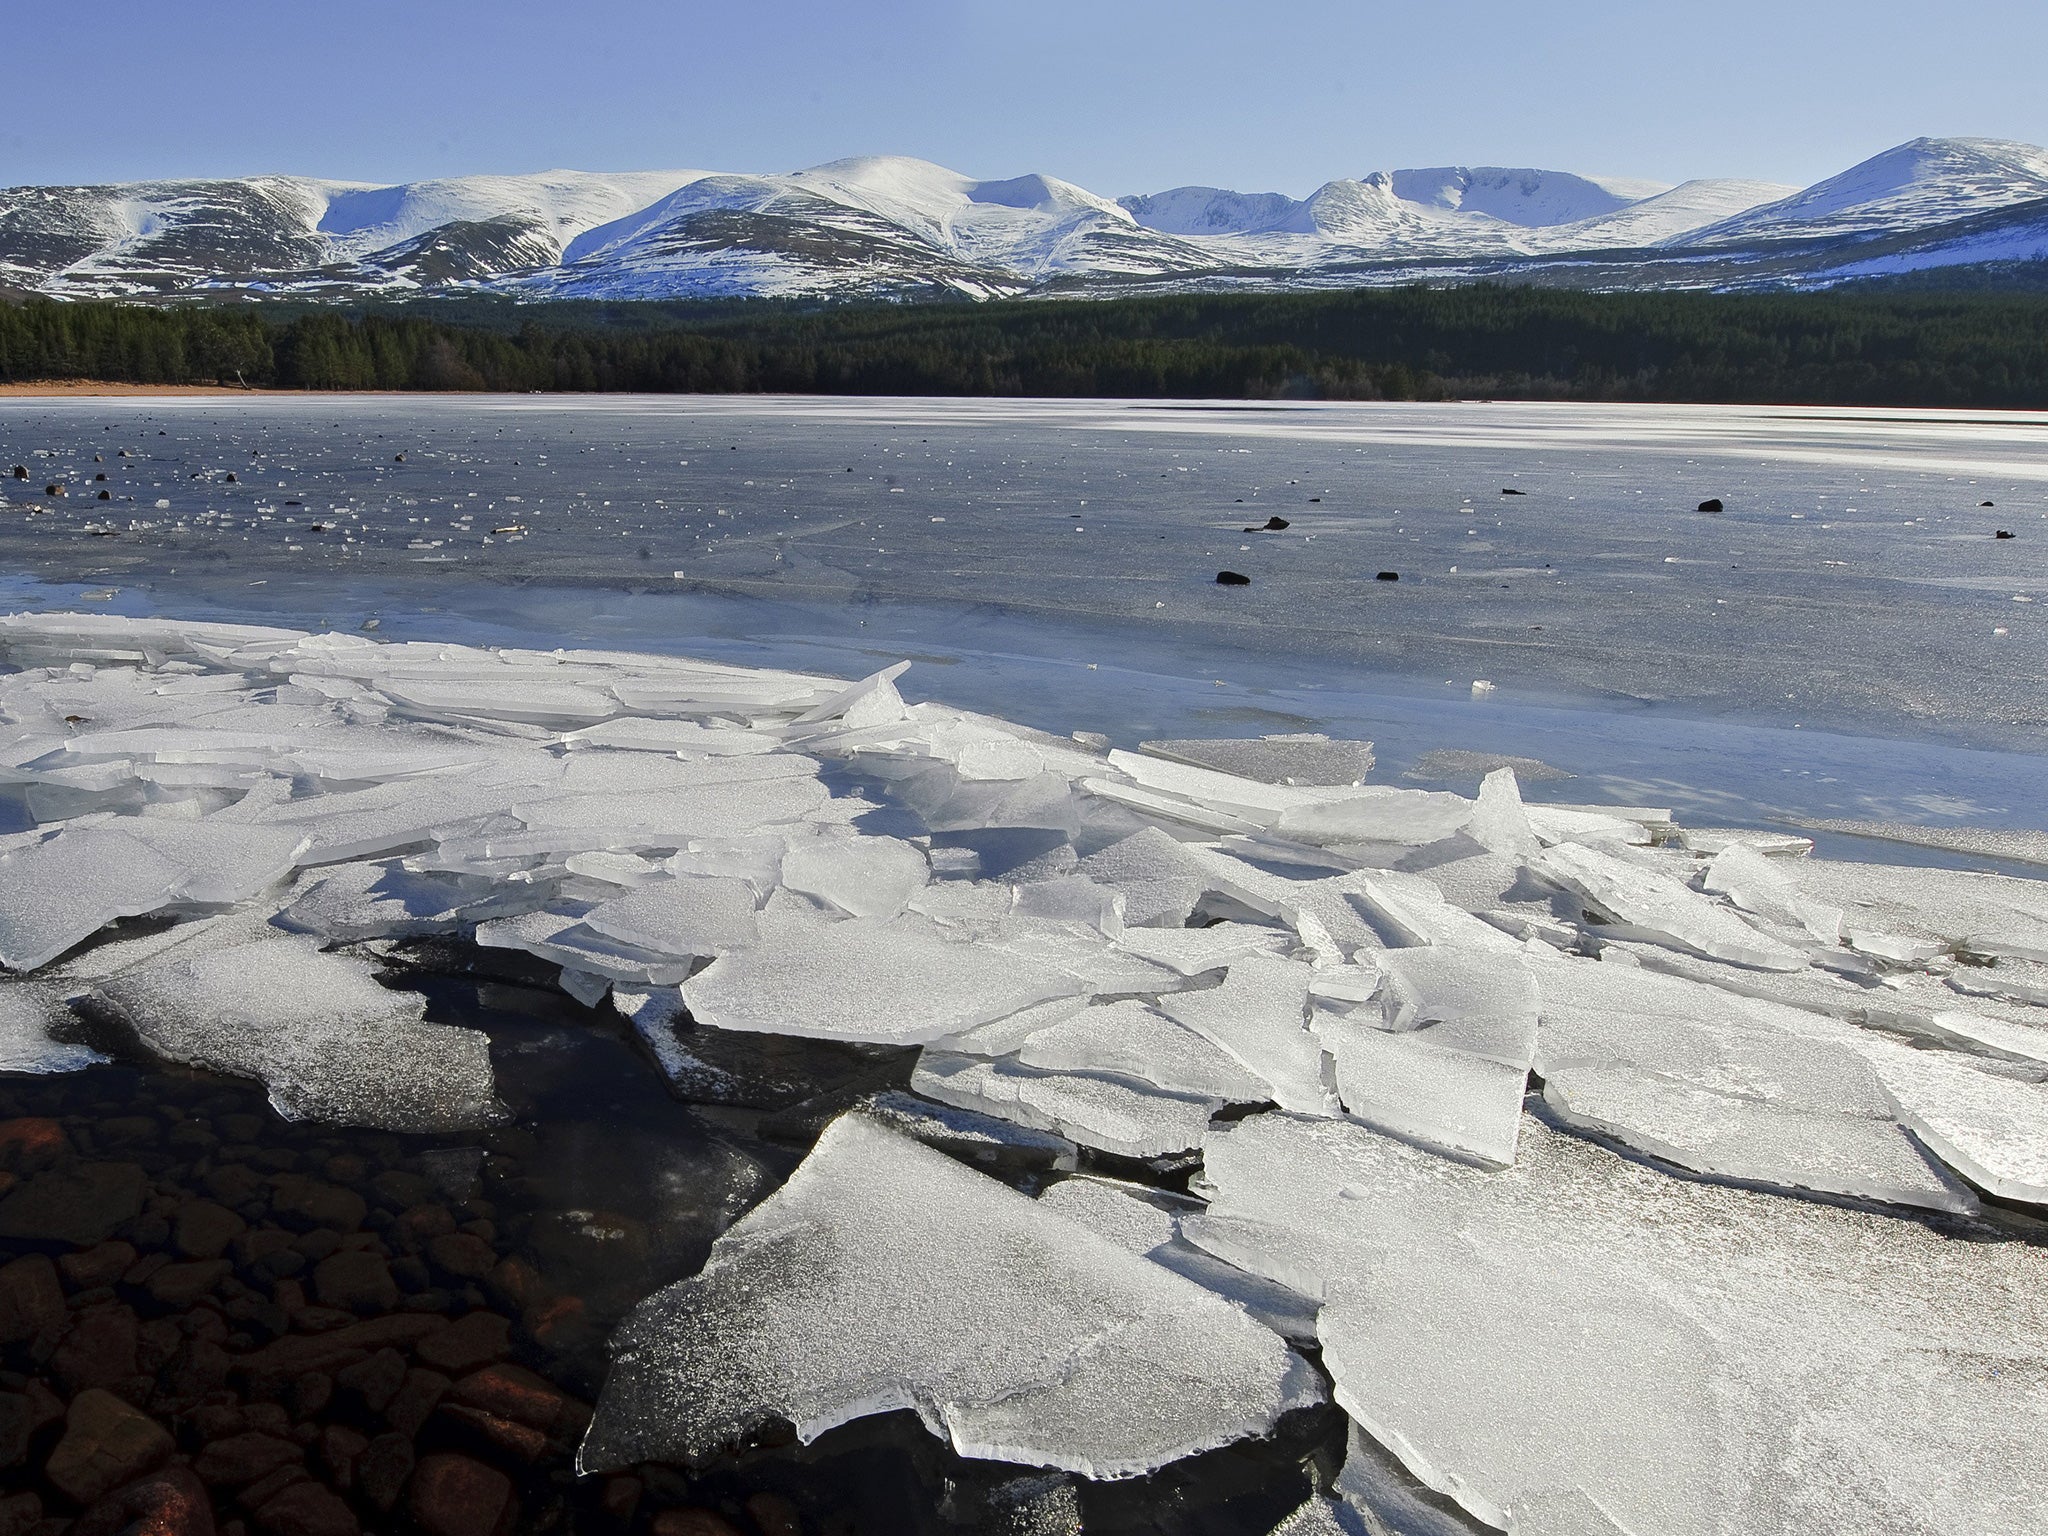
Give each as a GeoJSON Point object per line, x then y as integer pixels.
{"type": "Point", "coordinates": [1539, 1097]}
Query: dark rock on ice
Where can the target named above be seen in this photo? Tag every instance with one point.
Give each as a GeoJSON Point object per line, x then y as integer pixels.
{"type": "Point", "coordinates": [1711, 504]}
{"type": "Point", "coordinates": [2003, 533]}
{"type": "Point", "coordinates": [1270, 525]}
{"type": "Point", "coordinates": [1508, 490]}
{"type": "Point", "coordinates": [1388, 576]}
{"type": "Point", "coordinates": [1232, 579]}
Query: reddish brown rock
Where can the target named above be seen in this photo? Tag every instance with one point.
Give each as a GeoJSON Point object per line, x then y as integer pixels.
{"type": "Point", "coordinates": [245, 1458]}
{"type": "Point", "coordinates": [171, 1502]}
{"type": "Point", "coordinates": [81, 1204]}
{"type": "Point", "coordinates": [31, 1143]}
{"type": "Point", "coordinates": [298, 1201]}
{"type": "Point", "coordinates": [487, 1430]}
{"type": "Point", "coordinates": [96, 1266]}
{"type": "Point", "coordinates": [461, 1347]}
{"type": "Point", "coordinates": [463, 1255]}
{"type": "Point", "coordinates": [383, 1469]}
{"type": "Point", "coordinates": [375, 1380]}
{"type": "Point", "coordinates": [179, 1285]}
{"type": "Point", "coordinates": [31, 1300]}
{"type": "Point", "coordinates": [692, 1522]}
{"type": "Point", "coordinates": [355, 1281]}
{"type": "Point", "coordinates": [514, 1284]}
{"type": "Point", "coordinates": [559, 1324]}
{"type": "Point", "coordinates": [106, 1443]}
{"type": "Point", "coordinates": [306, 1509]}
{"type": "Point", "coordinates": [774, 1515]}
{"type": "Point", "coordinates": [100, 1349]}
{"type": "Point", "coordinates": [415, 1400]}
{"type": "Point", "coordinates": [288, 1358]}
{"type": "Point", "coordinates": [20, 1514]}
{"type": "Point", "coordinates": [203, 1230]}
{"type": "Point", "coordinates": [515, 1393]}
{"type": "Point", "coordinates": [457, 1496]}
{"type": "Point", "coordinates": [339, 1449]}
{"type": "Point", "coordinates": [621, 1498]}
{"type": "Point", "coordinates": [421, 1224]}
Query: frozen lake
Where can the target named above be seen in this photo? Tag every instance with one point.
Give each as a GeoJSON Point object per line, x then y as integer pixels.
{"type": "Point", "coordinates": [1848, 638]}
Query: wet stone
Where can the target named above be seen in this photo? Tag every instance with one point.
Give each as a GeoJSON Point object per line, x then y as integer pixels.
{"type": "Point", "coordinates": [475, 1340]}
{"type": "Point", "coordinates": [203, 1229]}
{"type": "Point", "coordinates": [106, 1443]}
{"type": "Point", "coordinates": [454, 1495]}
{"type": "Point", "coordinates": [97, 1266]}
{"type": "Point", "coordinates": [82, 1205]}
{"type": "Point", "coordinates": [31, 1300]}
{"type": "Point", "coordinates": [169, 1502]}
{"type": "Point", "coordinates": [358, 1281]}
{"type": "Point", "coordinates": [245, 1458]}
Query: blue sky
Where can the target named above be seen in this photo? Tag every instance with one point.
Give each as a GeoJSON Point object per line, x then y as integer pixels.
{"type": "Point", "coordinates": [1119, 95]}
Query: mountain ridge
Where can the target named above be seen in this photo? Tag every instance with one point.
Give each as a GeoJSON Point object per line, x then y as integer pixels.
{"type": "Point", "coordinates": [897, 227]}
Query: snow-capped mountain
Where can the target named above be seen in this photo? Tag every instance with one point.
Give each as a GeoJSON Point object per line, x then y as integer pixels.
{"type": "Point", "coordinates": [890, 227]}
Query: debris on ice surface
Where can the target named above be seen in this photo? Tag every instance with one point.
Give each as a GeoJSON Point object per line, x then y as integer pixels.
{"type": "Point", "coordinates": [28, 1013]}
{"type": "Point", "coordinates": [1659, 908]}
{"type": "Point", "coordinates": [886, 1276]}
{"type": "Point", "coordinates": [1303, 758]}
{"type": "Point", "coordinates": [1695, 1357]}
{"type": "Point", "coordinates": [327, 1041]}
{"type": "Point", "coordinates": [1725, 1085]}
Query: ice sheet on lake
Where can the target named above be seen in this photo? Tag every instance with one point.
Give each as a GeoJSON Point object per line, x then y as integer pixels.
{"type": "Point", "coordinates": [29, 1016]}
{"type": "Point", "coordinates": [326, 1040]}
{"type": "Point", "coordinates": [1697, 1358]}
{"type": "Point", "coordinates": [886, 1276]}
{"type": "Point", "coordinates": [1301, 758]}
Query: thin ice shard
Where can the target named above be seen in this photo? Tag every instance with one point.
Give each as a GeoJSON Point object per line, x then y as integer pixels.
{"type": "Point", "coordinates": [1659, 908]}
{"type": "Point", "coordinates": [883, 1276]}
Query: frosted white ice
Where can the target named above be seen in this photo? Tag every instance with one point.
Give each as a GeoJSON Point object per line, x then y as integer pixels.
{"type": "Point", "coordinates": [885, 1276]}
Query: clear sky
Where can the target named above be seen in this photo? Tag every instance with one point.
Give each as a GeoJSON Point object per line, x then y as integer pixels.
{"type": "Point", "coordinates": [1118, 95]}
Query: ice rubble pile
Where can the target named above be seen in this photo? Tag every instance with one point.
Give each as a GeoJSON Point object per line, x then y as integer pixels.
{"type": "Point", "coordinates": [1401, 1036]}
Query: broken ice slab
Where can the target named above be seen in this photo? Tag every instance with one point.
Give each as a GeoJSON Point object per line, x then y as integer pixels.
{"type": "Point", "coordinates": [1132, 1040]}
{"type": "Point", "coordinates": [865, 876]}
{"type": "Point", "coordinates": [1484, 1002]}
{"type": "Point", "coordinates": [1160, 882]}
{"type": "Point", "coordinates": [385, 900]}
{"type": "Point", "coordinates": [1714, 840]}
{"type": "Point", "coordinates": [1193, 951]}
{"type": "Point", "coordinates": [327, 1041]}
{"type": "Point", "coordinates": [1561, 1512]}
{"type": "Point", "coordinates": [1726, 1085]}
{"type": "Point", "coordinates": [1146, 1222]}
{"type": "Point", "coordinates": [57, 892]}
{"type": "Point", "coordinates": [1409, 1086]}
{"type": "Point", "coordinates": [690, 915]}
{"type": "Point", "coordinates": [969, 1136]}
{"type": "Point", "coordinates": [1258, 1016]}
{"type": "Point", "coordinates": [1409, 910]}
{"type": "Point", "coordinates": [886, 1276]}
{"type": "Point", "coordinates": [1698, 1358]}
{"type": "Point", "coordinates": [686, 738]}
{"type": "Point", "coordinates": [1583, 824]}
{"type": "Point", "coordinates": [1990, 1127]}
{"type": "Point", "coordinates": [1317, 1517]}
{"type": "Point", "coordinates": [29, 1017]}
{"type": "Point", "coordinates": [558, 935]}
{"type": "Point", "coordinates": [1305, 758]}
{"type": "Point", "coordinates": [1945, 909]}
{"type": "Point", "coordinates": [1767, 888]}
{"type": "Point", "coordinates": [1222, 802]}
{"type": "Point", "coordinates": [1500, 823]}
{"type": "Point", "coordinates": [1108, 1114]}
{"type": "Point", "coordinates": [901, 982]}
{"type": "Point", "coordinates": [1004, 1036]}
{"type": "Point", "coordinates": [1657, 907]}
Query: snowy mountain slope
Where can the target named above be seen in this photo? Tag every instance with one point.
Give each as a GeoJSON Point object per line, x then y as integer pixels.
{"type": "Point", "coordinates": [896, 227]}
{"type": "Point", "coordinates": [1922, 183]}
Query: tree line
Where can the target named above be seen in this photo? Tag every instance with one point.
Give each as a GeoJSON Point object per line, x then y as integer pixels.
{"type": "Point", "coordinates": [1847, 347]}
